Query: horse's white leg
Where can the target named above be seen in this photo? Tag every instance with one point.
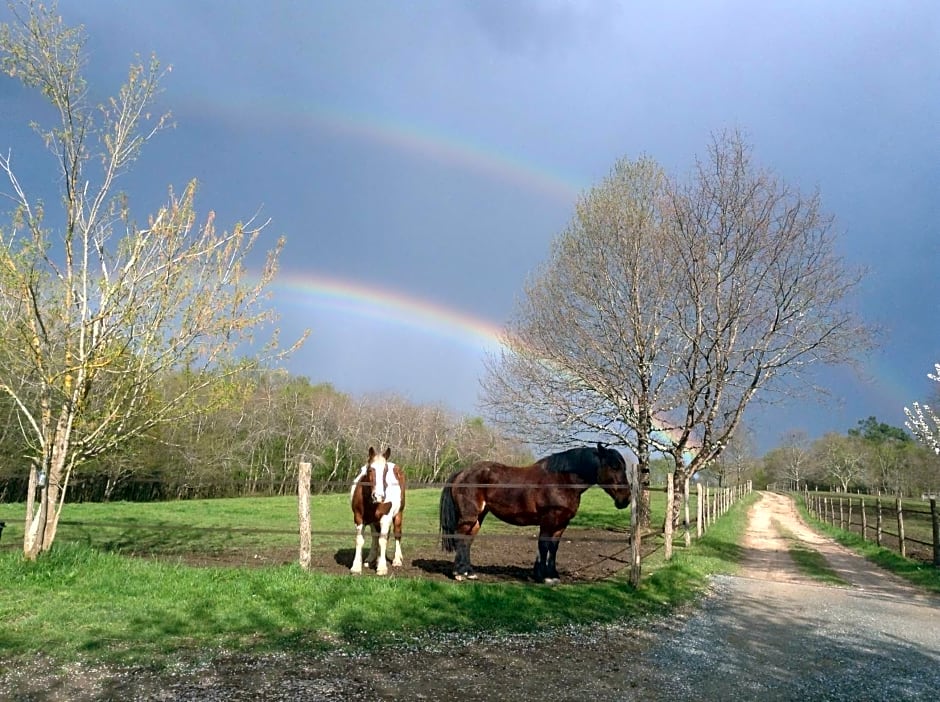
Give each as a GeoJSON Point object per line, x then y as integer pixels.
{"type": "Point", "coordinates": [381, 565]}
{"type": "Point", "coordinates": [360, 542]}
{"type": "Point", "coordinates": [397, 561]}
{"type": "Point", "coordinates": [374, 549]}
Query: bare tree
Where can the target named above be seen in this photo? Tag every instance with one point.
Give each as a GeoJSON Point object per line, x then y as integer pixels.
{"type": "Point", "coordinates": [590, 351]}
{"type": "Point", "coordinates": [666, 307]}
{"type": "Point", "coordinates": [797, 457]}
{"type": "Point", "coordinates": [97, 308]}
{"type": "Point", "coordinates": [842, 458]}
{"type": "Point", "coordinates": [736, 461]}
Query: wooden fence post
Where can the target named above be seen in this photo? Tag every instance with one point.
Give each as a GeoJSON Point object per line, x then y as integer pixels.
{"type": "Point", "coordinates": [700, 510]}
{"type": "Point", "coordinates": [864, 522]}
{"type": "Point", "coordinates": [878, 521]}
{"type": "Point", "coordinates": [709, 506]}
{"type": "Point", "coordinates": [935, 521]}
{"type": "Point", "coordinates": [849, 518]}
{"type": "Point", "coordinates": [303, 507]}
{"type": "Point", "coordinates": [670, 501]}
{"type": "Point", "coordinates": [902, 547]}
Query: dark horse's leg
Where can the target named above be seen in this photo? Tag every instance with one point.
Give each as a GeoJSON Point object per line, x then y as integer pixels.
{"type": "Point", "coordinates": [460, 521]}
{"type": "Point", "coordinates": [466, 531]}
{"type": "Point", "coordinates": [545, 570]}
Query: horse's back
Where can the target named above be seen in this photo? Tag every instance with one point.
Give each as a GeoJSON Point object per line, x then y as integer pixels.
{"type": "Point", "coordinates": [518, 495]}
{"type": "Point", "coordinates": [492, 473]}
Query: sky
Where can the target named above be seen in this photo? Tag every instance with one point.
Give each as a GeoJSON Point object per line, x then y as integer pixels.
{"type": "Point", "coordinates": [420, 157]}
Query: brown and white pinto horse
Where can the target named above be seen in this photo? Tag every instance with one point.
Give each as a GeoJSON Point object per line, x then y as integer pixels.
{"type": "Point", "coordinates": [378, 500]}
{"type": "Point", "coordinates": [547, 494]}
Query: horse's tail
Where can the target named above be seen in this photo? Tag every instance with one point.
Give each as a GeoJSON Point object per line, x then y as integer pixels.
{"type": "Point", "coordinates": [448, 517]}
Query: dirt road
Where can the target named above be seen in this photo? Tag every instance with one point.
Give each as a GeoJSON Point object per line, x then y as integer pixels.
{"type": "Point", "coordinates": [767, 634]}
{"type": "Point", "coordinates": [773, 634]}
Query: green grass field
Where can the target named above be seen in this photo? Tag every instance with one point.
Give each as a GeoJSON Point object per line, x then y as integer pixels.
{"type": "Point", "coordinates": [90, 597]}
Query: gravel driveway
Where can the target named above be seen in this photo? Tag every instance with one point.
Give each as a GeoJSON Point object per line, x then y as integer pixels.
{"type": "Point", "coordinates": [767, 634]}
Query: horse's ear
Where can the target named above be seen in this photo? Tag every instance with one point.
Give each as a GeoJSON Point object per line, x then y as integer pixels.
{"type": "Point", "coordinates": [601, 446]}
{"type": "Point", "coordinates": [371, 454]}
{"type": "Point", "coordinates": [388, 452]}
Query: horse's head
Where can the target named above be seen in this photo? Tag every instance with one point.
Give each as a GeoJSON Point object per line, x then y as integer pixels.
{"type": "Point", "coordinates": [612, 475]}
{"type": "Point", "coordinates": [378, 466]}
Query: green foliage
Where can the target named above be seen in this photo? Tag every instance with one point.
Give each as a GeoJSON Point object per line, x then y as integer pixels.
{"type": "Point", "coordinates": [878, 432]}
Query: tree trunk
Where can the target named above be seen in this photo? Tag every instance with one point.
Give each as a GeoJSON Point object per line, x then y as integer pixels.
{"type": "Point", "coordinates": [680, 481]}
{"type": "Point", "coordinates": [34, 531]}
{"type": "Point", "coordinates": [643, 499]}
{"type": "Point", "coordinates": [41, 530]}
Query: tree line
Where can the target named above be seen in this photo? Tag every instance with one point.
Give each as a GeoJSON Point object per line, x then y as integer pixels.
{"type": "Point", "coordinates": [251, 442]}
{"type": "Point", "coordinates": [873, 457]}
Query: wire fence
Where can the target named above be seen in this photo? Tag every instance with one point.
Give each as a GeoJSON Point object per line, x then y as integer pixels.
{"type": "Point", "coordinates": [267, 544]}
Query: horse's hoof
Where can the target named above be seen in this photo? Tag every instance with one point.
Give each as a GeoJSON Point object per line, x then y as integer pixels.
{"type": "Point", "coordinates": [382, 571]}
{"type": "Point", "coordinates": [460, 577]}
{"type": "Point", "coordinates": [397, 563]}
{"type": "Point", "coordinates": [551, 581]}
{"type": "Point", "coordinates": [354, 571]}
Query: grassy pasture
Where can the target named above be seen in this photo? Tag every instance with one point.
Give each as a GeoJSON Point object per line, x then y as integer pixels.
{"type": "Point", "coordinates": [89, 598]}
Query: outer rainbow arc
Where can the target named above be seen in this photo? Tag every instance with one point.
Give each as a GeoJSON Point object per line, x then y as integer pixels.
{"type": "Point", "coordinates": [422, 140]}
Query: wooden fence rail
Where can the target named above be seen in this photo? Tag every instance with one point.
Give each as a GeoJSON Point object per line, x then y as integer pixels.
{"type": "Point", "coordinates": [841, 510]}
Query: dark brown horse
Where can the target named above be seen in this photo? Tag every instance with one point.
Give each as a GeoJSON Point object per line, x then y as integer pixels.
{"type": "Point", "coordinates": [378, 500]}
{"type": "Point", "coordinates": [547, 493]}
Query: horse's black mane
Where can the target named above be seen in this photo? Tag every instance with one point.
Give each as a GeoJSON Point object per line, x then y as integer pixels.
{"type": "Point", "coordinates": [582, 461]}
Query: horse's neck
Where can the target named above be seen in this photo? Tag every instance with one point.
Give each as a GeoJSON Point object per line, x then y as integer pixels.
{"type": "Point", "coordinates": [583, 475]}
